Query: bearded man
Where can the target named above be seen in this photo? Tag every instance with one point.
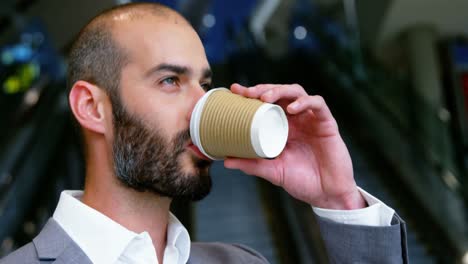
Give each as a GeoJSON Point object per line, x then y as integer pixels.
{"type": "Point", "coordinates": [137, 71]}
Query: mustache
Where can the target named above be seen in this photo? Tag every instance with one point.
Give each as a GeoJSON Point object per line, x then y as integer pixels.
{"type": "Point", "coordinates": [180, 141]}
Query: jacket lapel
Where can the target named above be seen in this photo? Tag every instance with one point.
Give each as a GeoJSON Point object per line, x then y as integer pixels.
{"type": "Point", "coordinates": [53, 243]}
{"type": "Point", "coordinates": [72, 254]}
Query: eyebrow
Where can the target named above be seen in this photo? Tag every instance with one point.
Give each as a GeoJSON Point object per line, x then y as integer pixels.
{"type": "Point", "coordinates": [207, 73]}
{"type": "Point", "coordinates": [178, 69]}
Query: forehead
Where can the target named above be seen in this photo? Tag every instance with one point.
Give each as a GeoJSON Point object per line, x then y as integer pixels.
{"type": "Point", "coordinates": [151, 40]}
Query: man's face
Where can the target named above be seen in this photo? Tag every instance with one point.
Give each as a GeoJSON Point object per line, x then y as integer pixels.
{"type": "Point", "coordinates": [167, 73]}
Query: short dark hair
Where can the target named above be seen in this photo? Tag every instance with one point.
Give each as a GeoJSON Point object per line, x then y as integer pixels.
{"type": "Point", "coordinates": [96, 58]}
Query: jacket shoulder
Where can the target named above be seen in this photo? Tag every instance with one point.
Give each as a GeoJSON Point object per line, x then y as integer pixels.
{"type": "Point", "coordinates": [25, 255]}
{"type": "Point", "coordinates": [224, 253]}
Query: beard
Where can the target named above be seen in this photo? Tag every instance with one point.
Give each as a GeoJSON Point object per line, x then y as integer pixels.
{"type": "Point", "coordinates": [145, 160]}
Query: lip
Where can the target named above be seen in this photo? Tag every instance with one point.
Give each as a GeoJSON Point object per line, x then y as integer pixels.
{"type": "Point", "coordinates": [197, 151]}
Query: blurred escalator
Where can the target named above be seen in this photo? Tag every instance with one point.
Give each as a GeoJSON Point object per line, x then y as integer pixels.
{"type": "Point", "coordinates": [377, 113]}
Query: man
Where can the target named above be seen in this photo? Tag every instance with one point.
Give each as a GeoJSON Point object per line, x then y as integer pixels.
{"type": "Point", "coordinates": [136, 72]}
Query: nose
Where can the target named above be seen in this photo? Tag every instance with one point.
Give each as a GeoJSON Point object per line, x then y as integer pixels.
{"type": "Point", "coordinates": [196, 94]}
{"type": "Point", "coordinates": [199, 92]}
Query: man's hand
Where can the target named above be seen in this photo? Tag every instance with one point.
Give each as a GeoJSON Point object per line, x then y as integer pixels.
{"type": "Point", "coordinates": [315, 166]}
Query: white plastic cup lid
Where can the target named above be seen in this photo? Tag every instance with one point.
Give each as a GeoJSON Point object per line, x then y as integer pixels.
{"type": "Point", "coordinates": [269, 131]}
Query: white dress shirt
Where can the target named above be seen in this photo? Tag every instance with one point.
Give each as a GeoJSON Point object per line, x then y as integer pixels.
{"type": "Point", "coordinates": [105, 241]}
{"type": "Point", "coordinates": [376, 214]}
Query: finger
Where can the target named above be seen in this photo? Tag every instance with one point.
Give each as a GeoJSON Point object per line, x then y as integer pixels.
{"type": "Point", "coordinates": [251, 92]}
{"type": "Point", "coordinates": [257, 90]}
{"type": "Point", "coordinates": [239, 89]}
{"type": "Point", "coordinates": [291, 92]}
{"type": "Point", "coordinates": [257, 167]}
{"type": "Point", "coordinates": [315, 103]}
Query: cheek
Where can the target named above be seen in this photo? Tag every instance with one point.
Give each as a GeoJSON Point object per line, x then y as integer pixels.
{"type": "Point", "coordinates": [172, 117]}
{"type": "Point", "coordinates": [164, 120]}
{"type": "Point", "coordinates": [169, 112]}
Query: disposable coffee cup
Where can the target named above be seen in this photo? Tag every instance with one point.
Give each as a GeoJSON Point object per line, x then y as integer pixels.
{"type": "Point", "coordinates": [224, 124]}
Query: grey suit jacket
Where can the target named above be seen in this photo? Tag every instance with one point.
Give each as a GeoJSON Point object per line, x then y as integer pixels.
{"type": "Point", "coordinates": [345, 244]}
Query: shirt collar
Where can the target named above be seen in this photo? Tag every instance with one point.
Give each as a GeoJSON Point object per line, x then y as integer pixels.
{"type": "Point", "coordinates": [91, 229]}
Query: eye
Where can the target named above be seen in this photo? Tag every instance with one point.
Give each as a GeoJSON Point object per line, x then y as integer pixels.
{"type": "Point", "coordinates": [169, 84]}
{"type": "Point", "coordinates": [169, 81]}
{"type": "Point", "coordinates": [207, 86]}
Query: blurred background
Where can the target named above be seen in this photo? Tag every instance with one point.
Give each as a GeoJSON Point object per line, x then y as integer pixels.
{"type": "Point", "coordinates": [394, 73]}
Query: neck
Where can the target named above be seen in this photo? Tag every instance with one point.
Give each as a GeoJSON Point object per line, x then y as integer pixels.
{"type": "Point", "coordinates": [136, 211]}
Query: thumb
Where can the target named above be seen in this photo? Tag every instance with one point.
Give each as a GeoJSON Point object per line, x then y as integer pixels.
{"type": "Point", "coordinates": [258, 167]}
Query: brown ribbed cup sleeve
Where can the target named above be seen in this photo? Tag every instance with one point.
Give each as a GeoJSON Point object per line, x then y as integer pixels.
{"type": "Point", "coordinates": [225, 125]}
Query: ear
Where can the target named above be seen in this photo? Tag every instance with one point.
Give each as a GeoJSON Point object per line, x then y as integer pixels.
{"type": "Point", "coordinates": [87, 104]}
